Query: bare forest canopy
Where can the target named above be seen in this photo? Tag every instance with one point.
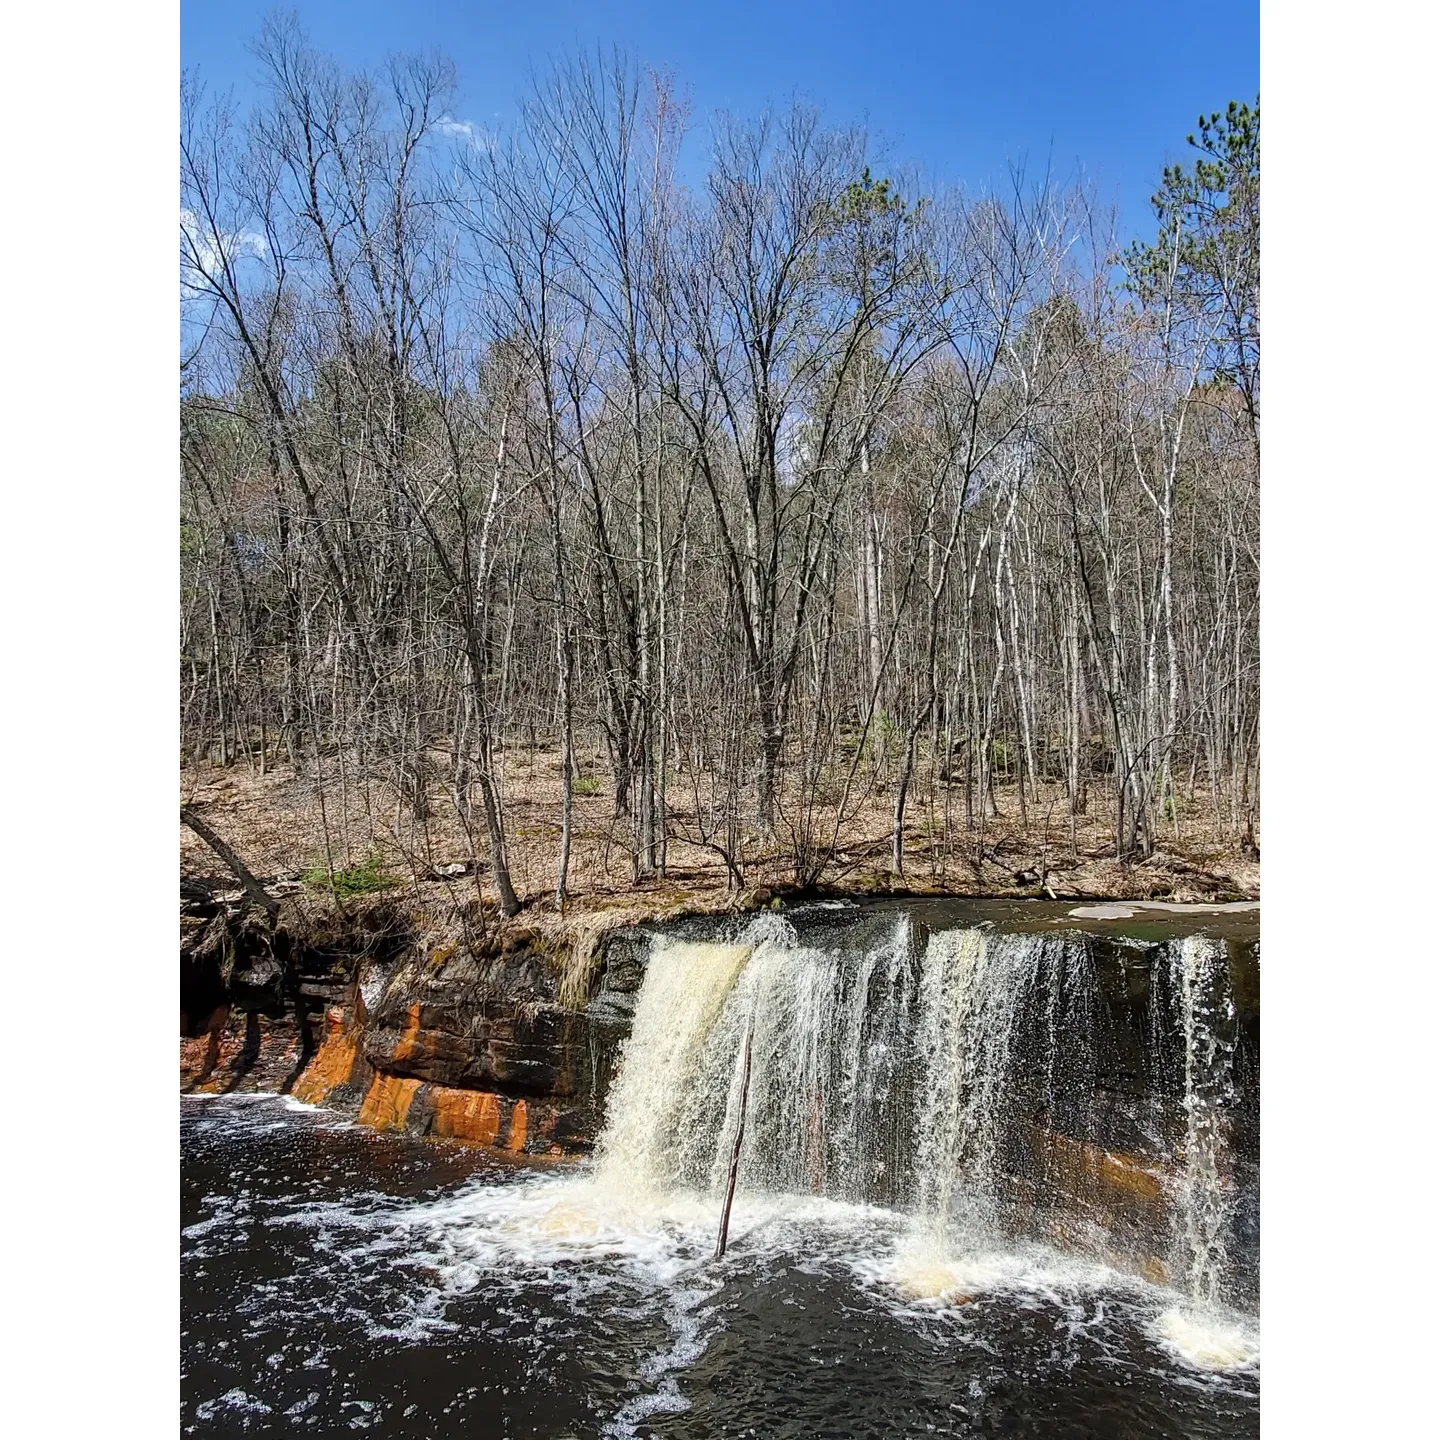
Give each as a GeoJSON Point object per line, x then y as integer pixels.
{"type": "Point", "coordinates": [789, 493]}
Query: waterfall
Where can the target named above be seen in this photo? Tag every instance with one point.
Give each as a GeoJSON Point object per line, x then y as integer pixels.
{"type": "Point", "coordinates": [876, 1074]}
{"type": "Point", "coordinates": [1198, 991]}
{"type": "Point", "coordinates": [828, 1038]}
{"type": "Point", "coordinates": [996, 1087]}
{"type": "Point", "coordinates": [685, 987]}
{"type": "Point", "coordinates": [976, 989]}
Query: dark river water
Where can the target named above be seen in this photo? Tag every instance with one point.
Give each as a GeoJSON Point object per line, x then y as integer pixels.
{"type": "Point", "coordinates": [334, 1280]}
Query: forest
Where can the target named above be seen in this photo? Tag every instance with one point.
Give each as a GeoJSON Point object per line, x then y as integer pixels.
{"type": "Point", "coordinates": [630, 495]}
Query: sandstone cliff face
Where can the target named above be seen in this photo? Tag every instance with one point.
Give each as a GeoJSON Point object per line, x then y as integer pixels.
{"type": "Point", "coordinates": [407, 1034]}
{"type": "Point", "coordinates": [253, 990]}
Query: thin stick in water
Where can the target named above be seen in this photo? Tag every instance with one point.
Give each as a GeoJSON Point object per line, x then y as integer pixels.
{"type": "Point", "coordinates": [739, 1138]}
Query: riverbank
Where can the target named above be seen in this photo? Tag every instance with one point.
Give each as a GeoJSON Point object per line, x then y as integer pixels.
{"type": "Point", "coordinates": [293, 835]}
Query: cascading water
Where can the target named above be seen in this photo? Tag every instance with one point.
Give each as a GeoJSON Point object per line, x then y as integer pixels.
{"type": "Point", "coordinates": [964, 1148]}
{"type": "Point", "coordinates": [976, 1073]}
{"type": "Point", "coordinates": [824, 1060]}
{"type": "Point", "coordinates": [847, 1097]}
{"type": "Point", "coordinates": [1192, 1004]}
{"type": "Point", "coordinates": [970, 1078]}
{"type": "Point", "coordinates": [1198, 979]}
{"type": "Point", "coordinates": [685, 987]}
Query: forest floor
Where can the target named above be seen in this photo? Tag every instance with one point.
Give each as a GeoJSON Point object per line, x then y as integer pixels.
{"type": "Point", "coordinates": [279, 826]}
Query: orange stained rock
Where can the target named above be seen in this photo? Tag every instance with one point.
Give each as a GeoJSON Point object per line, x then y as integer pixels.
{"type": "Point", "coordinates": [332, 1064]}
{"type": "Point", "coordinates": [518, 1119]}
{"type": "Point", "coordinates": [472, 1115]}
{"type": "Point", "coordinates": [199, 1057]}
{"type": "Point", "coordinates": [387, 1102]}
{"type": "Point", "coordinates": [1123, 1172]}
{"type": "Point", "coordinates": [405, 1047]}
{"type": "Point", "coordinates": [1152, 1270]}
{"type": "Point", "coordinates": [1106, 1170]}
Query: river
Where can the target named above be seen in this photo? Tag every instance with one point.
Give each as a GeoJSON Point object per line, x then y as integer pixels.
{"type": "Point", "coordinates": [338, 1279]}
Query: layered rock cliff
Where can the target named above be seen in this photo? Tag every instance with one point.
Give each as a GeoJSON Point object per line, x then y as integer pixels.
{"type": "Point", "coordinates": [362, 1010]}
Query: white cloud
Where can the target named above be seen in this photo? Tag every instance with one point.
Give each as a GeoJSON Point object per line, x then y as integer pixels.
{"type": "Point", "coordinates": [201, 251]}
{"type": "Point", "coordinates": [466, 130]}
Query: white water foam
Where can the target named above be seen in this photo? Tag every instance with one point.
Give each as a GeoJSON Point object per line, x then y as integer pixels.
{"type": "Point", "coordinates": [1210, 1340]}
{"type": "Point", "coordinates": [613, 1248]}
{"type": "Point", "coordinates": [924, 1270]}
{"type": "Point", "coordinates": [232, 1098]}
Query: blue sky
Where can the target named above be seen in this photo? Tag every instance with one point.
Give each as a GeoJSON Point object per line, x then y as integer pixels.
{"type": "Point", "coordinates": [961, 88]}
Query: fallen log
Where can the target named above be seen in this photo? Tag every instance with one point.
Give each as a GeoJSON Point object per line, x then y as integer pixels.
{"type": "Point", "coordinates": [253, 888]}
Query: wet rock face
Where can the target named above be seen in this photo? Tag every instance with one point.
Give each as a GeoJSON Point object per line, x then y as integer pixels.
{"type": "Point", "coordinates": [342, 1074]}
{"type": "Point", "coordinates": [490, 1044]}
{"type": "Point", "coordinates": [254, 988]}
{"type": "Point", "coordinates": [622, 973]}
{"type": "Point", "coordinates": [486, 1026]}
{"type": "Point", "coordinates": [243, 1050]}
{"type": "Point", "coordinates": [227, 960]}
{"type": "Point", "coordinates": [441, 1042]}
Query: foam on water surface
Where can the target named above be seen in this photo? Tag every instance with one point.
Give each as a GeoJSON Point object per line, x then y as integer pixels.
{"type": "Point", "coordinates": [1208, 1340]}
{"type": "Point", "coordinates": [551, 1265]}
